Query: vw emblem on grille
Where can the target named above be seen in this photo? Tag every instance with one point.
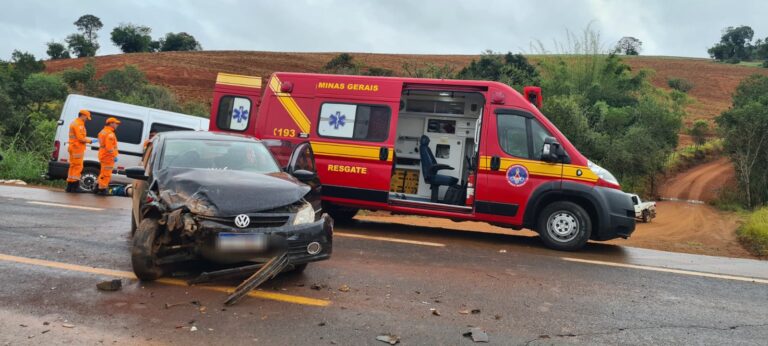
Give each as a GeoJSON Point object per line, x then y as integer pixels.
{"type": "Point", "coordinates": [242, 221]}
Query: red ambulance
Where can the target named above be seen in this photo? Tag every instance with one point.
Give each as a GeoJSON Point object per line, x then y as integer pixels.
{"type": "Point", "coordinates": [457, 149]}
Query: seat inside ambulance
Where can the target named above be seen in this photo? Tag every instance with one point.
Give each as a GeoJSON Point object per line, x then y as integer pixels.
{"type": "Point", "coordinates": [447, 123]}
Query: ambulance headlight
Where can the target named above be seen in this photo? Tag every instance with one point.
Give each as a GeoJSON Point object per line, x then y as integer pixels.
{"type": "Point", "coordinates": [305, 215]}
{"type": "Point", "coordinates": [602, 173]}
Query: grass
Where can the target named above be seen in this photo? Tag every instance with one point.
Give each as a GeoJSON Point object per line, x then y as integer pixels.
{"type": "Point", "coordinates": [754, 233]}
{"type": "Point", "coordinates": [26, 166]}
{"type": "Point", "coordinates": [692, 155]}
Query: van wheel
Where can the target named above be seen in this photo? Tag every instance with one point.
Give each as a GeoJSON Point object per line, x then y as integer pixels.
{"type": "Point", "coordinates": [133, 224]}
{"type": "Point", "coordinates": [340, 215]}
{"type": "Point", "coordinates": [646, 216]}
{"type": "Point", "coordinates": [145, 249]}
{"type": "Point", "coordinates": [564, 226]}
{"type": "Point", "coordinates": [89, 179]}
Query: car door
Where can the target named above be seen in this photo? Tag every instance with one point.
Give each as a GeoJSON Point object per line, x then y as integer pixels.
{"type": "Point", "coordinates": [302, 166]}
{"type": "Point", "coordinates": [511, 165]}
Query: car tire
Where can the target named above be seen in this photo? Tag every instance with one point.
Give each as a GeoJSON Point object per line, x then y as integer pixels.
{"type": "Point", "coordinates": [298, 268]}
{"type": "Point", "coordinates": [646, 216]}
{"type": "Point", "coordinates": [564, 226]}
{"type": "Point", "coordinates": [144, 251]}
{"type": "Point", "coordinates": [89, 179]}
{"type": "Point", "coordinates": [133, 224]}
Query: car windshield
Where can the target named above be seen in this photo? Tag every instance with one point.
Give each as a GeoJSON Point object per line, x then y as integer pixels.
{"type": "Point", "coordinates": [218, 155]}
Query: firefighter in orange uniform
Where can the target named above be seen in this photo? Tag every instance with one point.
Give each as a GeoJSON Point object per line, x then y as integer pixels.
{"type": "Point", "coordinates": [77, 141]}
{"type": "Point", "coordinates": [107, 154]}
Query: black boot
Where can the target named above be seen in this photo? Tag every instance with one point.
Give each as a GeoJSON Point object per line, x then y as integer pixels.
{"type": "Point", "coordinates": [72, 186]}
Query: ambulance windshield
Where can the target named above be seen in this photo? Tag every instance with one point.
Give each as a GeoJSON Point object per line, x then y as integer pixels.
{"type": "Point", "coordinates": [218, 155]}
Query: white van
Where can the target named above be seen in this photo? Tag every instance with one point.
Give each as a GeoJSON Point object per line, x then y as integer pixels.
{"type": "Point", "coordinates": [136, 123]}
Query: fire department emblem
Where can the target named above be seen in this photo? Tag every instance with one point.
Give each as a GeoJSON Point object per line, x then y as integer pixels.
{"type": "Point", "coordinates": [517, 175]}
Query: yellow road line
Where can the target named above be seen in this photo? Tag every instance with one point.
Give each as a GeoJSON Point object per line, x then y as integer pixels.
{"type": "Point", "coordinates": [175, 282]}
{"type": "Point", "coordinates": [393, 240]}
{"type": "Point", "coordinates": [65, 206]}
{"type": "Point", "coordinates": [668, 270]}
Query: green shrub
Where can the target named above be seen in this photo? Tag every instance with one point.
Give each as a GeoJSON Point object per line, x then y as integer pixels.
{"type": "Point", "coordinates": [765, 63]}
{"type": "Point", "coordinates": [24, 165]}
{"type": "Point", "coordinates": [680, 84]}
{"type": "Point", "coordinates": [754, 233]}
{"type": "Point", "coordinates": [733, 61]}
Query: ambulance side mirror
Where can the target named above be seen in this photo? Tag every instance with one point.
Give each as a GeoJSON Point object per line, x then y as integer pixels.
{"type": "Point", "coordinates": [552, 151]}
{"type": "Point", "coordinates": [136, 173]}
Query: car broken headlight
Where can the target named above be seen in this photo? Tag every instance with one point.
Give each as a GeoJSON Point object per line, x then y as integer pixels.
{"type": "Point", "coordinates": [305, 215]}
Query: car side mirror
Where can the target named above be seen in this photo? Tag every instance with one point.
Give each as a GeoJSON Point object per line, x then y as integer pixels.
{"type": "Point", "coordinates": [136, 173]}
{"type": "Point", "coordinates": [552, 151]}
{"type": "Point", "coordinates": [304, 175]}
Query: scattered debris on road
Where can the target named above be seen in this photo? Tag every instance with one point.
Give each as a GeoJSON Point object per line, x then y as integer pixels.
{"type": "Point", "coordinates": [477, 334]}
{"type": "Point", "coordinates": [464, 311]}
{"type": "Point", "coordinates": [110, 286]}
{"type": "Point", "coordinates": [270, 269]}
{"type": "Point", "coordinates": [193, 329]}
{"type": "Point", "coordinates": [344, 288]}
{"type": "Point", "coordinates": [435, 312]}
{"type": "Point", "coordinates": [475, 311]}
{"type": "Point", "coordinates": [389, 338]}
{"type": "Point", "coordinates": [68, 325]}
{"type": "Point", "coordinates": [502, 251]}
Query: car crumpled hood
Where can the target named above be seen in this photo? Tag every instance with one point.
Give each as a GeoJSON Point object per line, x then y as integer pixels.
{"type": "Point", "coordinates": [226, 193]}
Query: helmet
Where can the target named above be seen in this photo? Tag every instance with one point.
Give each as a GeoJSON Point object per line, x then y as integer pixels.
{"type": "Point", "coordinates": [84, 112]}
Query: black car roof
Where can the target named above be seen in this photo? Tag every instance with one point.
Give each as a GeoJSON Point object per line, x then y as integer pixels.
{"type": "Point", "coordinates": [205, 135]}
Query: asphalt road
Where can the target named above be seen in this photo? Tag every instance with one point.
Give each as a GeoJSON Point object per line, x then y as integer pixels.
{"type": "Point", "coordinates": [52, 257]}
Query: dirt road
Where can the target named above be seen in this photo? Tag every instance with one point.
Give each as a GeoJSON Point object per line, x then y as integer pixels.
{"type": "Point", "coordinates": [701, 182]}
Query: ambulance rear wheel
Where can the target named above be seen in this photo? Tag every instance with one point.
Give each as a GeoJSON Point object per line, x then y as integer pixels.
{"type": "Point", "coordinates": [564, 226]}
{"type": "Point", "coordinates": [340, 214]}
{"type": "Point", "coordinates": [145, 249]}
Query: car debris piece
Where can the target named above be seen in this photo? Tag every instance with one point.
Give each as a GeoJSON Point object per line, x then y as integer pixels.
{"type": "Point", "coordinates": [270, 269]}
{"type": "Point", "coordinates": [220, 274]}
{"type": "Point", "coordinates": [68, 325]}
{"type": "Point", "coordinates": [389, 338]}
{"type": "Point", "coordinates": [475, 311]}
{"type": "Point", "coordinates": [435, 312]}
{"type": "Point", "coordinates": [193, 329]}
{"type": "Point", "coordinates": [344, 288]}
{"type": "Point", "coordinates": [477, 335]}
{"type": "Point", "coordinates": [110, 286]}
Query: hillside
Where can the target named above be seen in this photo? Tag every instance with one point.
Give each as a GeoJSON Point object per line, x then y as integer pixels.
{"type": "Point", "coordinates": [192, 74]}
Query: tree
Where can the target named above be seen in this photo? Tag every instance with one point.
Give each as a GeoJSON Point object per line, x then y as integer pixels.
{"type": "Point", "coordinates": [43, 88]}
{"type": "Point", "coordinates": [511, 69]}
{"type": "Point", "coordinates": [26, 63]}
{"type": "Point", "coordinates": [89, 24]}
{"type": "Point", "coordinates": [132, 38]}
{"type": "Point", "coordinates": [119, 83]}
{"type": "Point", "coordinates": [734, 45]}
{"type": "Point", "coordinates": [699, 131]}
{"type": "Point", "coordinates": [342, 64]}
{"type": "Point", "coordinates": [80, 46]}
{"type": "Point", "coordinates": [57, 51]}
{"type": "Point", "coordinates": [744, 129]}
{"type": "Point", "coordinates": [179, 42]}
{"type": "Point", "coordinates": [628, 45]}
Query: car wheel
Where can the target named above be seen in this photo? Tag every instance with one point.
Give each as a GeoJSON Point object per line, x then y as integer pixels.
{"type": "Point", "coordinates": [133, 224]}
{"type": "Point", "coordinates": [145, 249]}
{"type": "Point", "coordinates": [564, 226]}
{"type": "Point", "coordinates": [89, 179]}
{"type": "Point", "coordinates": [646, 216]}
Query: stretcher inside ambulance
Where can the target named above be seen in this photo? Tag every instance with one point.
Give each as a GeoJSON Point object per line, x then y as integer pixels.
{"type": "Point", "coordinates": [464, 150]}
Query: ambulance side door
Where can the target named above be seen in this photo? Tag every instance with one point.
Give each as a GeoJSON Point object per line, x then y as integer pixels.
{"type": "Point", "coordinates": [511, 165]}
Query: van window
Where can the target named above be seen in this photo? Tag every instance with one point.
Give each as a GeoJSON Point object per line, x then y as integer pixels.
{"type": "Point", "coordinates": [157, 127]}
{"type": "Point", "coordinates": [539, 134]}
{"type": "Point", "coordinates": [129, 131]}
{"type": "Point", "coordinates": [351, 121]}
{"type": "Point", "coordinates": [234, 113]}
{"type": "Point", "coordinates": [513, 135]}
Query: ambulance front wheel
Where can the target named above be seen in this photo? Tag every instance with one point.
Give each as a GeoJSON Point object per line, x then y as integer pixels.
{"type": "Point", "coordinates": [340, 214]}
{"type": "Point", "coordinates": [564, 226]}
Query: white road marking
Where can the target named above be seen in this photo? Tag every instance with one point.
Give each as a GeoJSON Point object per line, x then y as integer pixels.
{"type": "Point", "coordinates": [392, 240]}
{"type": "Point", "coordinates": [668, 270]}
{"type": "Point", "coordinates": [65, 206]}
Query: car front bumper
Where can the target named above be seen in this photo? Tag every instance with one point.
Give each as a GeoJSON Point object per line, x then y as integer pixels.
{"type": "Point", "coordinates": [617, 219]}
{"type": "Point", "coordinates": [289, 238]}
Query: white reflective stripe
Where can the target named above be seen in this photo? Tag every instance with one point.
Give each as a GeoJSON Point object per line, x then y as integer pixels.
{"type": "Point", "coordinates": [109, 168]}
{"type": "Point", "coordinates": [77, 156]}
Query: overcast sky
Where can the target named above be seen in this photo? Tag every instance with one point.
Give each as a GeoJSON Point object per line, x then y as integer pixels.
{"type": "Point", "coordinates": [666, 27]}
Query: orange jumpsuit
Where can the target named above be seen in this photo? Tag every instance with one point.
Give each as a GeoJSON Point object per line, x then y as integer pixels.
{"type": "Point", "coordinates": [77, 141]}
{"type": "Point", "coordinates": [107, 154]}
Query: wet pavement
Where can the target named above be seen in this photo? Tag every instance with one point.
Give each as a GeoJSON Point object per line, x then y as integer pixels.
{"type": "Point", "coordinates": [425, 285]}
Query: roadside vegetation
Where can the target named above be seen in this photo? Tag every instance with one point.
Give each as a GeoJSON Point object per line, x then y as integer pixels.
{"type": "Point", "coordinates": [754, 233]}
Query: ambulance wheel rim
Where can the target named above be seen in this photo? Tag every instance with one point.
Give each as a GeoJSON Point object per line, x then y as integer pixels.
{"type": "Point", "coordinates": [563, 226]}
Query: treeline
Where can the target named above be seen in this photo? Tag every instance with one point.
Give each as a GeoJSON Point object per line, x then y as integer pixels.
{"type": "Point", "coordinates": [612, 114]}
{"type": "Point", "coordinates": [128, 37]}
{"type": "Point", "coordinates": [736, 45]}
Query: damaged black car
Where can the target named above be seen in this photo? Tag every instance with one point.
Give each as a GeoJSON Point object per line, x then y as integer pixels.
{"type": "Point", "coordinates": [225, 199]}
